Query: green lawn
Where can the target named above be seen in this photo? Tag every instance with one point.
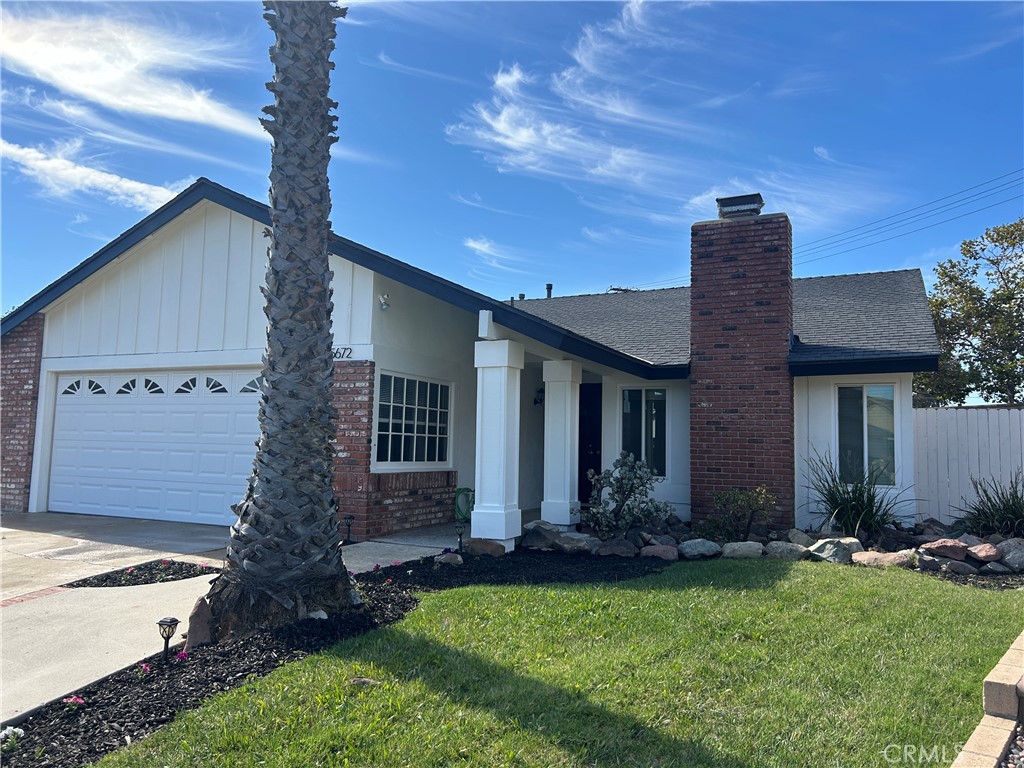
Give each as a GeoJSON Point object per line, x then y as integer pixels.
{"type": "Point", "coordinates": [724, 663]}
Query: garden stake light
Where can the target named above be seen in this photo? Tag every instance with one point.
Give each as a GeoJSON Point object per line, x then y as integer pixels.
{"type": "Point", "coordinates": [349, 519]}
{"type": "Point", "coordinates": [459, 529]}
{"type": "Point", "coordinates": [167, 628]}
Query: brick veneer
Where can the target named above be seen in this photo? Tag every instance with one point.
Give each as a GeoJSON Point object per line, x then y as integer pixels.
{"type": "Point", "coordinates": [21, 353]}
{"type": "Point", "coordinates": [741, 393]}
{"type": "Point", "coordinates": [381, 503]}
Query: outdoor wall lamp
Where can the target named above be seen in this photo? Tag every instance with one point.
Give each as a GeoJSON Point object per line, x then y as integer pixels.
{"type": "Point", "coordinates": [383, 301]}
{"type": "Point", "coordinates": [460, 528]}
{"type": "Point", "coordinates": [167, 628]}
{"type": "Point", "coordinates": [349, 519]}
{"type": "Point", "coordinates": [539, 399]}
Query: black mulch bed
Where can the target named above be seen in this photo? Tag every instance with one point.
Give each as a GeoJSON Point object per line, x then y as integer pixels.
{"type": "Point", "coordinates": [153, 572]}
{"type": "Point", "coordinates": [134, 702]}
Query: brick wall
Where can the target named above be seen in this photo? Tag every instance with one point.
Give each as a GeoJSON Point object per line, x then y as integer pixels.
{"type": "Point", "coordinates": [741, 397]}
{"type": "Point", "coordinates": [380, 503]}
{"type": "Point", "coordinates": [20, 357]}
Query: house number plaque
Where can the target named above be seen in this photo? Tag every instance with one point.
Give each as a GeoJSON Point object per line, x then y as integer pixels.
{"type": "Point", "coordinates": [343, 353]}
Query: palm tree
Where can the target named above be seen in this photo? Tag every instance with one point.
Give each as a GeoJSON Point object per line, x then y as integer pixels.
{"type": "Point", "coordinates": [284, 557]}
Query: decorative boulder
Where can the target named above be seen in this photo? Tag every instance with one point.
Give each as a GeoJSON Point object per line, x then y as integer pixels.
{"type": "Point", "coordinates": [951, 548]}
{"type": "Point", "coordinates": [831, 550]}
{"type": "Point", "coordinates": [1006, 546]}
{"type": "Point", "coordinates": [969, 540]}
{"type": "Point", "coordinates": [573, 543]}
{"type": "Point", "coordinates": [928, 563]}
{"type": "Point", "coordinates": [852, 543]}
{"type": "Point", "coordinates": [995, 569]}
{"type": "Point", "coordinates": [665, 539]}
{"type": "Point", "coordinates": [882, 559]}
{"type": "Point", "coordinates": [539, 538]}
{"type": "Point", "coordinates": [961, 568]}
{"type": "Point", "coordinates": [1014, 559]}
{"type": "Point", "coordinates": [995, 538]}
{"type": "Point", "coordinates": [485, 547]}
{"type": "Point", "coordinates": [984, 552]}
{"type": "Point", "coordinates": [797, 536]}
{"type": "Point", "coordinates": [616, 548]}
{"type": "Point", "coordinates": [743, 549]}
{"type": "Point", "coordinates": [699, 549]}
{"type": "Point", "coordinates": [664, 551]}
{"type": "Point", "coordinates": [785, 550]}
{"type": "Point", "coordinates": [449, 558]}
{"type": "Point", "coordinates": [199, 621]}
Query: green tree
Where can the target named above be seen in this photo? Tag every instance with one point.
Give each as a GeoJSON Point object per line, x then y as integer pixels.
{"type": "Point", "coordinates": [284, 557]}
{"type": "Point", "coordinates": [978, 306]}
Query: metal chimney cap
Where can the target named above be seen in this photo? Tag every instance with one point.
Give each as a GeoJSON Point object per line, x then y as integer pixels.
{"type": "Point", "coordinates": [740, 206]}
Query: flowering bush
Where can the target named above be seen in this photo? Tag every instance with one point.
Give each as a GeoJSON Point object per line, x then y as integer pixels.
{"type": "Point", "coordinates": [73, 702]}
{"type": "Point", "coordinates": [182, 656]}
{"type": "Point", "coordinates": [628, 504]}
{"type": "Point", "coordinates": [9, 738]}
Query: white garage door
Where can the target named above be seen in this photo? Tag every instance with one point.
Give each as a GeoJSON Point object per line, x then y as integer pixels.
{"type": "Point", "coordinates": [158, 445]}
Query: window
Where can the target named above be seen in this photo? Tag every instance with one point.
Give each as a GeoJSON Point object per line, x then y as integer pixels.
{"type": "Point", "coordinates": [643, 426]}
{"type": "Point", "coordinates": [867, 433]}
{"type": "Point", "coordinates": [412, 420]}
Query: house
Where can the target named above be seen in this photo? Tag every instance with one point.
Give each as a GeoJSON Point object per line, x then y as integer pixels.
{"type": "Point", "coordinates": [131, 384]}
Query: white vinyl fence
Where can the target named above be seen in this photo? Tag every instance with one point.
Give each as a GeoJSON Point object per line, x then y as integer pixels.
{"type": "Point", "coordinates": [952, 445]}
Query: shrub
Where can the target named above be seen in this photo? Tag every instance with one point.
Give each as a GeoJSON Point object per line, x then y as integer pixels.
{"type": "Point", "coordinates": [998, 509]}
{"type": "Point", "coordinates": [861, 505]}
{"type": "Point", "coordinates": [628, 503]}
{"type": "Point", "coordinates": [735, 512]}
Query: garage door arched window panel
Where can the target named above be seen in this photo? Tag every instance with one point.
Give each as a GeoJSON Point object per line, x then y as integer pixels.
{"type": "Point", "coordinates": [215, 387]}
{"type": "Point", "coordinates": [73, 388]}
{"type": "Point", "coordinates": [413, 417]}
{"type": "Point", "coordinates": [187, 387]}
{"type": "Point", "coordinates": [96, 388]}
{"type": "Point", "coordinates": [153, 387]}
{"type": "Point", "coordinates": [127, 388]}
{"type": "Point", "coordinates": [252, 386]}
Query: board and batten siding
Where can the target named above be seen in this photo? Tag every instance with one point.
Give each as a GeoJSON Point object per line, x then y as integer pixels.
{"type": "Point", "coordinates": [954, 445]}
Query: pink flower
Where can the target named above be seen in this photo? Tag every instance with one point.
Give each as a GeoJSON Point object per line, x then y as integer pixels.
{"type": "Point", "coordinates": [128, 570]}
{"type": "Point", "coordinates": [165, 562]}
{"type": "Point", "coordinates": [73, 701]}
{"type": "Point", "coordinates": [387, 581]}
{"type": "Point", "coordinates": [182, 655]}
{"type": "Point", "coordinates": [145, 668]}
{"type": "Point", "coordinates": [396, 562]}
{"type": "Point", "coordinates": [376, 567]}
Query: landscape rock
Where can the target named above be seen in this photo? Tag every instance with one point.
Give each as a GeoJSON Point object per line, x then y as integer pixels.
{"type": "Point", "coordinates": [485, 547]}
{"type": "Point", "coordinates": [785, 550]}
{"type": "Point", "coordinates": [449, 558]}
{"type": "Point", "coordinates": [664, 551]}
{"type": "Point", "coordinates": [950, 548]}
{"type": "Point", "coordinates": [928, 563]}
{"type": "Point", "coordinates": [699, 549]}
{"type": "Point", "coordinates": [961, 568]}
{"type": "Point", "coordinates": [199, 621]}
{"type": "Point", "coordinates": [633, 537]}
{"type": "Point", "coordinates": [995, 538]}
{"type": "Point", "coordinates": [852, 543]}
{"type": "Point", "coordinates": [762, 540]}
{"type": "Point", "coordinates": [894, 539]}
{"type": "Point", "coordinates": [1014, 559]}
{"type": "Point", "coordinates": [664, 538]}
{"type": "Point", "coordinates": [616, 548]}
{"type": "Point", "coordinates": [573, 543]}
{"type": "Point", "coordinates": [743, 549]}
{"type": "Point", "coordinates": [933, 526]}
{"type": "Point", "coordinates": [969, 540]}
{"type": "Point", "coordinates": [539, 538]}
{"type": "Point", "coordinates": [1006, 546]}
{"type": "Point", "coordinates": [831, 550]}
{"type": "Point", "coordinates": [995, 569]}
{"type": "Point", "coordinates": [984, 552]}
{"type": "Point", "coordinates": [542, 524]}
{"type": "Point", "coordinates": [796, 536]}
{"type": "Point", "coordinates": [882, 559]}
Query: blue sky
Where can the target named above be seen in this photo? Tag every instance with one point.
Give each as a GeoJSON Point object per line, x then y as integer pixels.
{"type": "Point", "coordinates": [507, 145]}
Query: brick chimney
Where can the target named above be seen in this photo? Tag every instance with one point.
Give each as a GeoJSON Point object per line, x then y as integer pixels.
{"type": "Point", "coordinates": [741, 319]}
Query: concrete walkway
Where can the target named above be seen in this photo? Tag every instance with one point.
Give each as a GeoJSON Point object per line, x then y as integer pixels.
{"type": "Point", "coordinates": [55, 640]}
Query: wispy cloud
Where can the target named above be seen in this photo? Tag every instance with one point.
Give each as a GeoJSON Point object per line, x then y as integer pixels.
{"type": "Point", "coordinates": [475, 201]}
{"type": "Point", "coordinates": [60, 174]}
{"type": "Point", "coordinates": [383, 61]}
{"type": "Point", "coordinates": [124, 66]}
{"type": "Point", "coordinates": [611, 235]}
{"type": "Point", "coordinates": [493, 262]}
{"type": "Point", "coordinates": [824, 154]}
{"type": "Point", "coordinates": [801, 84]}
{"type": "Point", "coordinates": [1015, 34]}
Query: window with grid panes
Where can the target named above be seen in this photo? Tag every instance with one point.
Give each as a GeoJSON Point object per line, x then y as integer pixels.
{"type": "Point", "coordinates": [412, 420]}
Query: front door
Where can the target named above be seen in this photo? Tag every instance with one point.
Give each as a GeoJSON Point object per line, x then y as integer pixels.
{"type": "Point", "coordinates": [590, 437]}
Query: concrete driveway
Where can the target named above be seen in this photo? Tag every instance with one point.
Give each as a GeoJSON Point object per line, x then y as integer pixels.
{"type": "Point", "coordinates": [55, 640]}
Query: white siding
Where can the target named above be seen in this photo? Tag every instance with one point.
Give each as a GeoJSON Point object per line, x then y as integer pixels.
{"type": "Point", "coordinates": [815, 415]}
{"type": "Point", "coordinates": [192, 286]}
{"type": "Point", "coordinates": [954, 445]}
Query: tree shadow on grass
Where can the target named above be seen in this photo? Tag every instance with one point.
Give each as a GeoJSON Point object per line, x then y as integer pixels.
{"type": "Point", "coordinates": [593, 734]}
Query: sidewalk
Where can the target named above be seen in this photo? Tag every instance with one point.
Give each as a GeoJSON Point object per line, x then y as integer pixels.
{"type": "Point", "coordinates": [55, 640]}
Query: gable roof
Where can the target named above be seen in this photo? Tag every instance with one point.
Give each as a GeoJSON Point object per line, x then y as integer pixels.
{"type": "Point", "coordinates": [877, 322]}
{"type": "Point", "coordinates": [510, 317]}
{"type": "Point", "coordinates": [867, 323]}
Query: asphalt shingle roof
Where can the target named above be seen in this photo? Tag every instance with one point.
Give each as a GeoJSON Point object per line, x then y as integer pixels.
{"type": "Point", "coordinates": [839, 318]}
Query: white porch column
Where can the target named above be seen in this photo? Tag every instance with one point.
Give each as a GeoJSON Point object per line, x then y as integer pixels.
{"type": "Point", "coordinates": [561, 442]}
{"type": "Point", "coordinates": [496, 513]}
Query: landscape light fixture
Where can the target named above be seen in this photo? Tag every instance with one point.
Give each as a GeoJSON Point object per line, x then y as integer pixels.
{"type": "Point", "coordinates": [460, 528]}
{"type": "Point", "coordinates": [167, 628]}
{"type": "Point", "coordinates": [349, 519]}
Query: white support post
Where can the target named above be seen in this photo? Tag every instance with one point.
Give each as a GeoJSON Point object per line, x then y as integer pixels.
{"type": "Point", "coordinates": [561, 442]}
{"type": "Point", "coordinates": [496, 512]}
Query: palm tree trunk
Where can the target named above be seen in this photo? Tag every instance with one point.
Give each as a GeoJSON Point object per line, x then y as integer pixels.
{"type": "Point", "coordinates": [284, 559]}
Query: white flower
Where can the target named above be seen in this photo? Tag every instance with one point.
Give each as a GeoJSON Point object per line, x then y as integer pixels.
{"type": "Point", "coordinates": [10, 731]}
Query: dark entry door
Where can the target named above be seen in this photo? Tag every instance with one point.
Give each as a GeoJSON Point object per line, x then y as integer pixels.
{"type": "Point", "coordinates": [590, 436]}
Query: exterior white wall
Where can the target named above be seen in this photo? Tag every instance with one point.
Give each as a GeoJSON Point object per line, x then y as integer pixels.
{"type": "Point", "coordinates": [676, 486]}
{"type": "Point", "coordinates": [531, 439]}
{"type": "Point", "coordinates": [419, 335]}
{"type": "Point", "coordinates": [816, 433]}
